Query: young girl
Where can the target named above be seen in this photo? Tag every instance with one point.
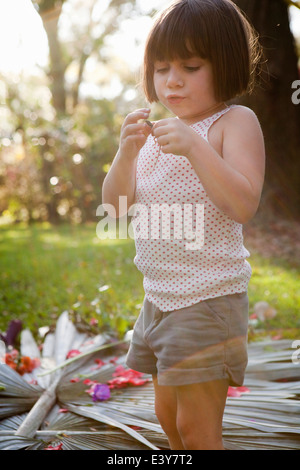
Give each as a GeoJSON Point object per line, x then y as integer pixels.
{"type": "Point", "coordinates": [191, 333]}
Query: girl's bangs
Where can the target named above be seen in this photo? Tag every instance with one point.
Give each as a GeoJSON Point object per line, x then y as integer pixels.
{"type": "Point", "coordinates": [214, 30]}
{"type": "Point", "coordinates": [176, 38]}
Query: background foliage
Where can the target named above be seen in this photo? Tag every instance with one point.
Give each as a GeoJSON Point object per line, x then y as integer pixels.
{"type": "Point", "coordinates": [58, 135]}
{"type": "Point", "coordinates": [57, 141]}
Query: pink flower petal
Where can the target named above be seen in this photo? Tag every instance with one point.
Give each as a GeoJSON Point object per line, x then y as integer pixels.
{"type": "Point", "coordinates": [89, 382]}
{"type": "Point", "coordinates": [58, 447]}
{"type": "Point", "coordinates": [233, 392]}
{"type": "Point", "coordinates": [237, 391]}
{"type": "Point", "coordinates": [73, 353]}
{"type": "Point", "coordinates": [99, 363]}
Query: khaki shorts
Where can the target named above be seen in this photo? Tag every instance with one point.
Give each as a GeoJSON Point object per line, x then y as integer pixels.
{"type": "Point", "coordinates": [203, 342]}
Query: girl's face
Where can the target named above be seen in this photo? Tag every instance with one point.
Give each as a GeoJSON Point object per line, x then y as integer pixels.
{"type": "Point", "coordinates": [185, 87]}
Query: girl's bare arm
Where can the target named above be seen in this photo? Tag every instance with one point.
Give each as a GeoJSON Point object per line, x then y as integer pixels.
{"type": "Point", "coordinates": [232, 172]}
{"type": "Point", "coordinates": [234, 179]}
{"type": "Point", "coordinates": [120, 180]}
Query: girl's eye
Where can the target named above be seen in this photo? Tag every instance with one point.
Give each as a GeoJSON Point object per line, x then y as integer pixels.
{"type": "Point", "coordinates": [191, 69]}
{"type": "Point", "coordinates": [161, 69]}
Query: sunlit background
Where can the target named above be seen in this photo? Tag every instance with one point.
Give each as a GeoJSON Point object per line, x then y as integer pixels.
{"type": "Point", "coordinates": [24, 46]}
{"type": "Point", "coordinates": [61, 110]}
{"type": "Point", "coordinates": [52, 157]}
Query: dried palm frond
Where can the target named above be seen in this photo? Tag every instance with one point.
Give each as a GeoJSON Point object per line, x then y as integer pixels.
{"type": "Point", "coordinates": [267, 417]}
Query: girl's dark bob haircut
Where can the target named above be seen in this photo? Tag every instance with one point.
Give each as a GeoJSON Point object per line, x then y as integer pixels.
{"type": "Point", "coordinates": [215, 30]}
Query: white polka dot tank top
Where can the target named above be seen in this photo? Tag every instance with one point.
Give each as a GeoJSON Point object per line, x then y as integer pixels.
{"type": "Point", "coordinates": [186, 248]}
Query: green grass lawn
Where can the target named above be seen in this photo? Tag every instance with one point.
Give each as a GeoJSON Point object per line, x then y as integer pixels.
{"type": "Point", "coordinates": [46, 270]}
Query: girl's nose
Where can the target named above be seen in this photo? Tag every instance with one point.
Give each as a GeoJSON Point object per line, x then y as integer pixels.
{"type": "Point", "coordinates": [174, 78]}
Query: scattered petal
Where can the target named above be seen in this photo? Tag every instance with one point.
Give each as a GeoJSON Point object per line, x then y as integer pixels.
{"type": "Point", "coordinates": [23, 365]}
{"type": "Point", "coordinates": [233, 392]}
{"type": "Point", "coordinates": [276, 337]}
{"type": "Point", "coordinates": [124, 377]}
{"type": "Point", "coordinates": [89, 382]}
{"type": "Point", "coordinates": [113, 360]}
{"type": "Point", "coordinates": [14, 328]}
{"type": "Point", "coordinates": [33, 382]}
{"type": "Point", "coordinates": [99, 363]}
{"type": "Point", "coordinates": [101, 392]}
{"type": "Point", "coordinates": [237, 391]}
{"type": "Point", "coordinates": [73, 353]}
{"type": "Point", "coordinates": [58, 447]}
{"type": "Point", "coordinates": [103, 288]}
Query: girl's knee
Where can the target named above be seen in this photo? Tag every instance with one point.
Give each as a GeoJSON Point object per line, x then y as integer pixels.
{"type": "Point", "coordinates": [199, 436]}
{"type": "Point", "coordinates": [199, 415]}
{"type": "Point", "coordinates": [166, 410]}
{"type": "Point", "coordinates": [166, 415]}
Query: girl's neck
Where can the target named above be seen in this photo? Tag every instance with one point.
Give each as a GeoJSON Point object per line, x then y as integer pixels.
{"type": "Point", "coordinates": [193, 118]}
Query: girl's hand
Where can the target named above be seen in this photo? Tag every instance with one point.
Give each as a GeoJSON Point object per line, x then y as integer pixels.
{"type": "Point", "coordinates": [134, 134]}
{"type": "Point", "coordinates": [174, 136]}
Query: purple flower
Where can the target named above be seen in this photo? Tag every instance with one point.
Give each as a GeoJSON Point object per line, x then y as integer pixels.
{"type": "Point", "coordinates": [14, 328]}
{"type": "Point", "coordinates": [101, 392]}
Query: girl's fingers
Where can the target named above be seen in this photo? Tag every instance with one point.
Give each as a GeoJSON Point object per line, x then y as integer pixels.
{"type": "Point", "coordinates": [163, 134]}
{"type": "Point", "coordinates": [139, 128]}
{"type": "Point", "coordinates": [136, 116]}
{"type": "Point", "coordinates": [159, 132]}
{"type": "Point", "coordinates": [163, 122]}
{"type": "Point", "coordinates": [164, 140]}
{"type": "Point", "coordinates": [161, 128]}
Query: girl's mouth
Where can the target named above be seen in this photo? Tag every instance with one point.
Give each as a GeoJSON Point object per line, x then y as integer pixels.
{"type": "Point", "coordinates": [175, 99]}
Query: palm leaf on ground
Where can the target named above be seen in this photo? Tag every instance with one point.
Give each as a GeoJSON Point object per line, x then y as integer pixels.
{"type": "Point", "coordinates": [266, 418]}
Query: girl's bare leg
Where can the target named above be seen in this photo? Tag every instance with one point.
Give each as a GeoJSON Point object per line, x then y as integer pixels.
{"type": "Point", "coordinates": [200, 409]}
{"type": "Point", "coordinates": [191, 415]}
{"type": "Point", "coordinates": [166, 412]}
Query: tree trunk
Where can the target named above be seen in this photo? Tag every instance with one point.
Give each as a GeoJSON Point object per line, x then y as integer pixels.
{"type": "Point", "coordinates": [57, 67]}
{"type": "Point", "coordinates": [279, 117]}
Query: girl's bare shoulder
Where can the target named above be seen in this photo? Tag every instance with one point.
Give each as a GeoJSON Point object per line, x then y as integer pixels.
{"type": "Point", "coordinates": [240, 115]}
